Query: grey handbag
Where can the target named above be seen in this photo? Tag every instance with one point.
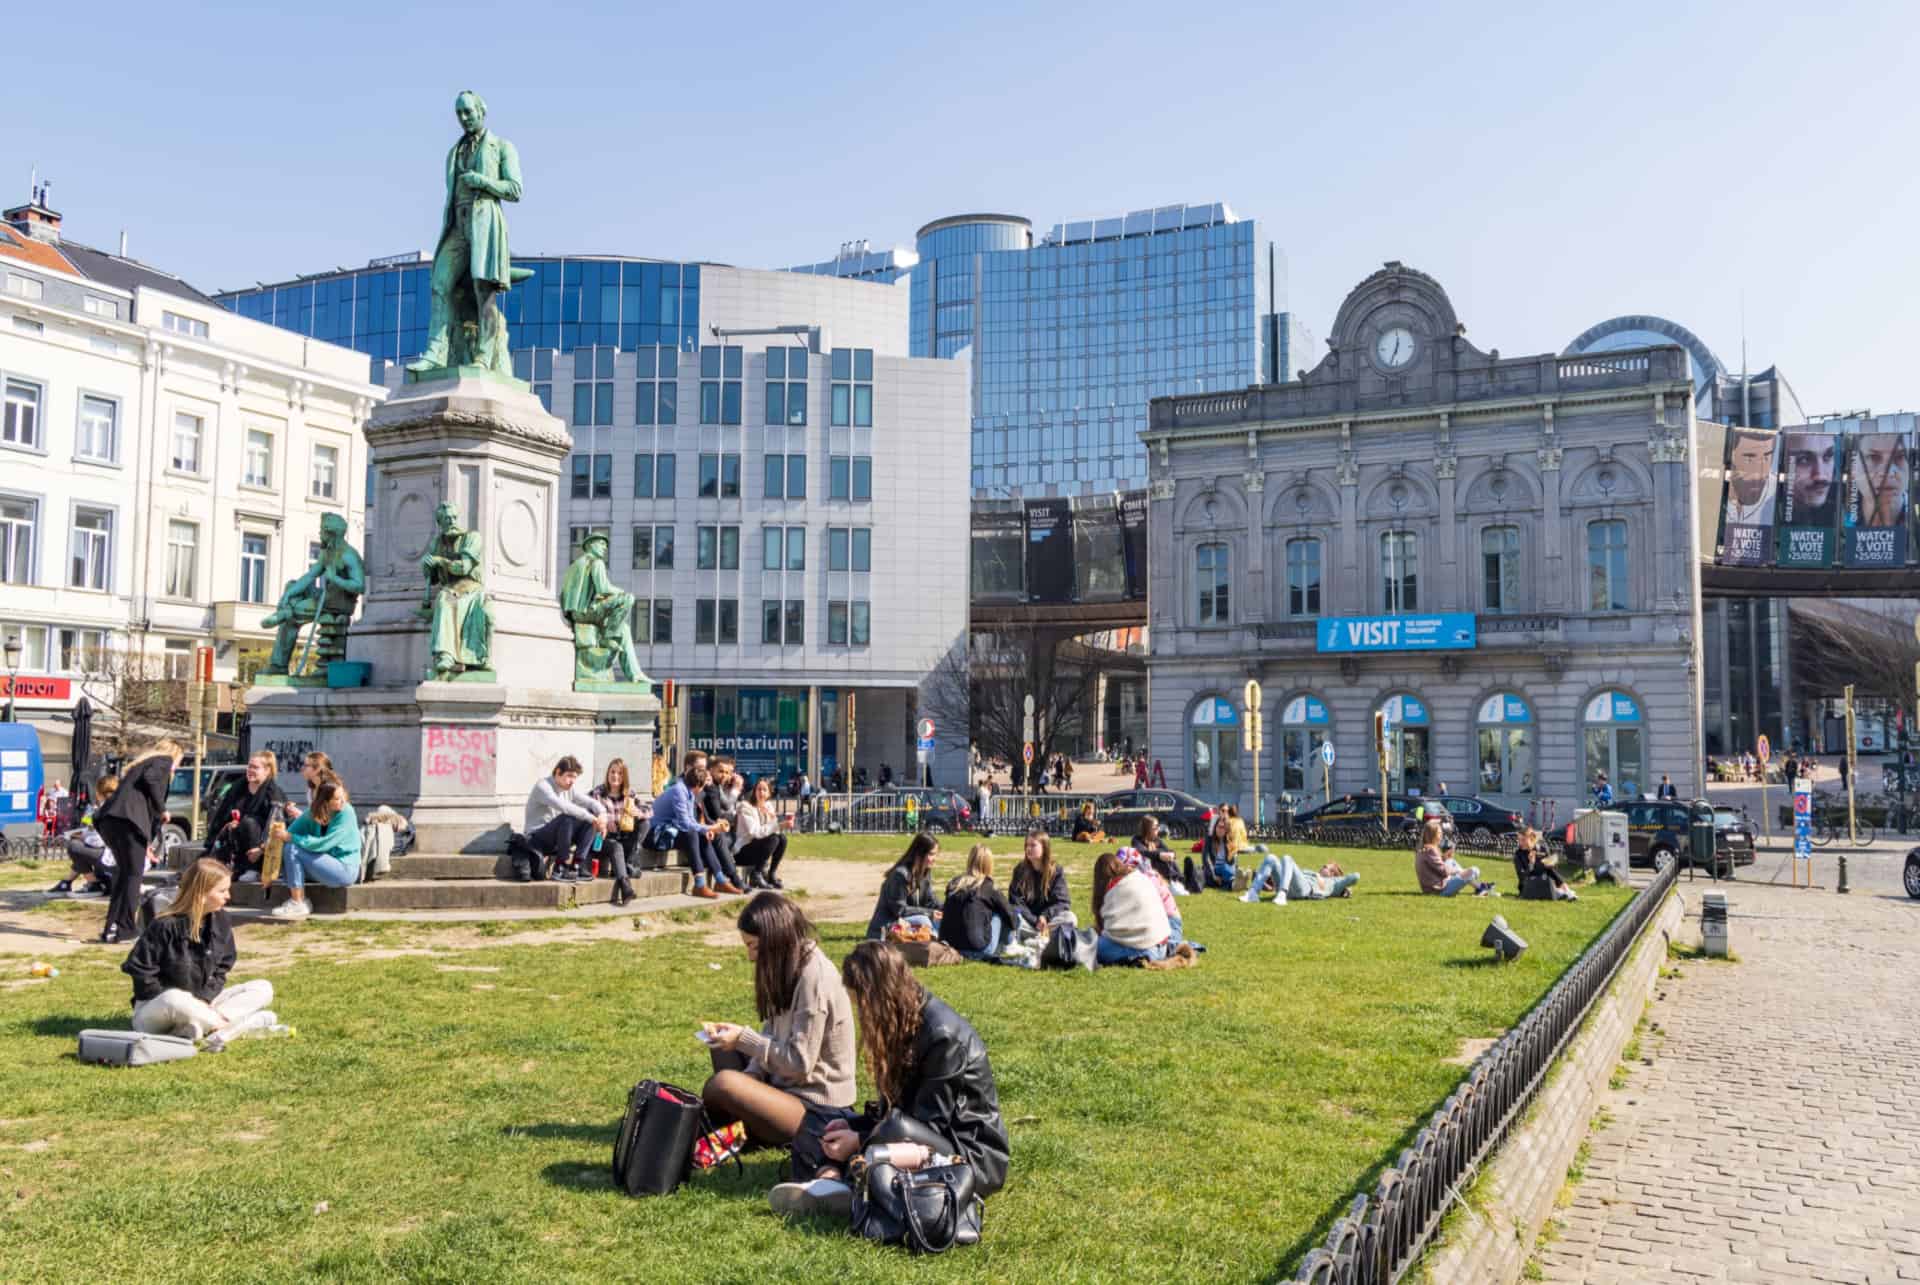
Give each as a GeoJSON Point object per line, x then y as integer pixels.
{"type": "Point", "coordinates": [131, 1048]}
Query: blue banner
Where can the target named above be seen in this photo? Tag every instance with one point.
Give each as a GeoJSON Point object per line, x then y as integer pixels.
{"type": "Point", "coordinates": [1442, 631]}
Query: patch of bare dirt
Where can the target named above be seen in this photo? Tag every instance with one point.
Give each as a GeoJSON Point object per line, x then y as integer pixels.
{"type": "Point", "coordinates": [1470, 1051]}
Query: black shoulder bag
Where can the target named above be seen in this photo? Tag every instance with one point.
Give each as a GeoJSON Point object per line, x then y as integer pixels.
{"type": "Point", "coordinates": [928, 1210]}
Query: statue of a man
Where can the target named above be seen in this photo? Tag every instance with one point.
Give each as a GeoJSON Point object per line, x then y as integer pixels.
{"type": "Point", "coordinates": [588, 597]}
{"type": "Point", "coordinates": [327, 595]}
{"type": "Point", "coordinates": [456, 601]}
{"type": "Point", "coordinates": [471, 265]}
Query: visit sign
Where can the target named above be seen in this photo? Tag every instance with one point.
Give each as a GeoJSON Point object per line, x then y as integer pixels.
{"type": "Point", "coordinates": [1441, 631]}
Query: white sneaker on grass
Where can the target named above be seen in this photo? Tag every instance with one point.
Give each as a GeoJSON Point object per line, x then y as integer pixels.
{"type": "Point", "coordinates": [1279, 898]}
{"type": "Point", "coordinates": [821, 1196]}
{"type": "Point", "coordinates": [1250, 896]}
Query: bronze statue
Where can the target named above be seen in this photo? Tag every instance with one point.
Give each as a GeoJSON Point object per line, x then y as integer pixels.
{"type": "Point", "coordinates": [601, 616]}
{"type": "Point", "coordinates": [325, 597]}
{"type": "Point", "coordinates": [456, 600]}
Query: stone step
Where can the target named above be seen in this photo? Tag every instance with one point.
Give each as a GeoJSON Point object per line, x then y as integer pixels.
{"type": "Point", "coordinates": [462, 865]}
{"type": "Point", "coordinates": [396, 893]}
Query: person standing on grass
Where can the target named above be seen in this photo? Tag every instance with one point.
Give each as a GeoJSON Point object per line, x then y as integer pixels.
{"type": "Point", "coordinates": [129, 822]}
{"type": "Point", "coordinates": [323, 845]}
{"type": "Point", "coordinates": [756, 828]}
{"type": "Point", "coordinates": [802, 1056]}
{"type": "Point", "coordinates": [180, 964]}
{"type": "Point", "coordinates": [1038, 889]}
{"type": "Point", "coordinates": [930, 1070]}
{"type": "Point", "coordinates": [907, 891]}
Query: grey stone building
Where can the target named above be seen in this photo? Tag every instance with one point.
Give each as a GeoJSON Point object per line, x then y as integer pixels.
{"type": "Point", "coordinates": [1498, 552]}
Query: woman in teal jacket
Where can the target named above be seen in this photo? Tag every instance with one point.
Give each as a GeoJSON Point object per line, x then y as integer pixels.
{"type": "Point", "coordinates": [323, 845]}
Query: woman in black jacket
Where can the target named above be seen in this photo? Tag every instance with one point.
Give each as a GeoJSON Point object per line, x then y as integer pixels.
{"type": "Point", "coordinates": [1532, 861]}
{"type": "Point", "coordinates": [976, 919]}
{"type": "Point", "coordinates": [244, 814]}
{"type": "Point", "coordinates": [937, 1096]}
{"type": "Point", "coordinates": [1148, 843]}
{"type": "Point", "coordinates": [127, 823]}
{"type": "Point", "coordinates": [907, 891]}
{"type": "Point", "coordinates": [1038, 889]}
{"type": "Point", "coordinates": [180, 965]}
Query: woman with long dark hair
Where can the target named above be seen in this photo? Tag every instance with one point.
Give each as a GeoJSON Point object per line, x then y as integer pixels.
{"type": "Point", "coordinates": [1217, 867]}
{"type": "Point", "coordinates": [756, 832]}
{"type": "Point", "coordinates": [802, 1055]}
{"type": "Point", "coordinates": [907, 891]}
{"type": "Point", "coordinates": [130, 821]}
{"type": "Point", "coordinates": [616, 795]}
{"type": "Point", "coordinates": [1038, 888]}
{"type": "Point", "coordinates": [1129, 914]}
{"type": "Point", "coordinates": [935, 1087]}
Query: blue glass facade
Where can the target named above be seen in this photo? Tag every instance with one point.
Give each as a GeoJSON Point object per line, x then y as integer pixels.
{"type": "Point", "coordinates": [568, 303]}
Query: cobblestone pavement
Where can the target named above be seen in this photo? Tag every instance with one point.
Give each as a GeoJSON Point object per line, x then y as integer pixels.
{"type": "Point", "coordinates": [1775, 1136]}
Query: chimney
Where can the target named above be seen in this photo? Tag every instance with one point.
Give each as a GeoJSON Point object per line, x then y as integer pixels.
{"type": "Point", "coordinates": [34, 218]}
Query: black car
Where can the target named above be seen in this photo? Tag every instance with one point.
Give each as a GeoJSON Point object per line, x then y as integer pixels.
{"type": "Point", "coordinates": [1655, 827]}
{"type": "Point", "coordinates": [1181, 816]}
{"type": "Point", "coordinates": [1362, 812]}
{"type": "Point", "coordinates": [1480, 820]}
{"type": "Point", "coordinates": [1911, 875]}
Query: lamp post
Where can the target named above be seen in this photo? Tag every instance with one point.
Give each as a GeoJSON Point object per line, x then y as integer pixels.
{"type": "Point", "coordinates": [12, 649]}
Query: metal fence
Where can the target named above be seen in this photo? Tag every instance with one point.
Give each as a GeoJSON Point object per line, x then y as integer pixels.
{"type": "Point", "coordinates": [1383, 1234]}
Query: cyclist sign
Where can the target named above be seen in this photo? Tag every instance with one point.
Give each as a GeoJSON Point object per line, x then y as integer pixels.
{"type": "Point", "coordinates": [1803, 827]}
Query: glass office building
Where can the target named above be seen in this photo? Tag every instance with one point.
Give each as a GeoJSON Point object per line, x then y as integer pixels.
{"type": "Point", "coordinates": [1074, 331]}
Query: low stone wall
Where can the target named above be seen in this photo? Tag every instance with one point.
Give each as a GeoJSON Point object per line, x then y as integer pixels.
{"type": "Point", "coordinates": [1489, 1242]}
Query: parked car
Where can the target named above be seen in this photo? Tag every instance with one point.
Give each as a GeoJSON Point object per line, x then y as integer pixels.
{"type": "Point", "coordinates": [1733, 837]}
{"type": "Point", "coordinates": [1181, 816]}
{"type": "Point", "coordinates": [1912, 874]}
{"type": "Point", "coordinates": [1655, 827]}
{"type": "Point", "coordinates": [1481, 820]}
{"type": "Point", "coordinates": [1362, 812]}
{"type": "Point", "coordinates": [214, 780]}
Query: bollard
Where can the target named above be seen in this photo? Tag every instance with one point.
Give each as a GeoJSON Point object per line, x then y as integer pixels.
{"type": "Point", "coordinates": [1840, 885]}
{"type": "Point", "coordinates": [1713, 924]}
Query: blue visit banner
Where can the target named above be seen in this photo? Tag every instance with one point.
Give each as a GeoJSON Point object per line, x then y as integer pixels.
{"type": "Point", "coordinates": [1442, 631]}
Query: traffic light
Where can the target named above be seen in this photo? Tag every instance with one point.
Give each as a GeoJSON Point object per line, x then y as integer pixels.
{"type": "Point", "coordinates": [1380, 734]}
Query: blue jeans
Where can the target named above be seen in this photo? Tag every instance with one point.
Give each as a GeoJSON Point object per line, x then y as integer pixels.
{"type": "Point", "coordinates": [1271, 871]}
{"type": "Point", "coordinates": [701, 858]}
{"type": "Point", "coordinates": [1455, 883]}
{"type": "Point", "coordinates": [1108, 951]}
{"type": "Point", "coordinates": [297, 865]}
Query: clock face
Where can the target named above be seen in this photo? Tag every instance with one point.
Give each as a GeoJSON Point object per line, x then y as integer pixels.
{"type": "Point", "coordinates": [1394, 348]}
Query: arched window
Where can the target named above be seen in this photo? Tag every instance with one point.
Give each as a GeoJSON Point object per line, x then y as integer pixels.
{"type": "Point", "coordinates": [1505, 735]}
{"type": "Point", "coordinates": [1611, 738]}
{"type": "Point", "coordinates": [1213, 749]}
{"type": "Point", "coordinates": [1210, 578]}
{"type": "Point", "coordinates": [1409, 751]}
{"type": "Point", "coordinates": [1304, 727]}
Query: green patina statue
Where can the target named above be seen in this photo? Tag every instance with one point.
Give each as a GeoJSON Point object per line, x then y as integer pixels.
{"type": "Point", "coordinates": [456, 601]}
{"type": "Point", "coordinates": [325, 597]}
{"type": "Point", "coordinates": [471, 266]}
{"type": "Point", "coordinates": [601, 617]}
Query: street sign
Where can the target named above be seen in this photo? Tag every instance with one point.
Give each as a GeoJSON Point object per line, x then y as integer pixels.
{"type": "Point", "coordinates": [1764, 749]}
{"type": "Point", "coordinates": [926, 730]}
{"type": "Point", "coordinates": [1326, 753]}
{"type": "Point", "coordinates": [1026, 753]}
{"type": "Point", "coordinates": [925, 747]}
{"type": "Point", "coordinates": [1028, 707]}
{"type": "Point", "coordinates": [1802, 827]}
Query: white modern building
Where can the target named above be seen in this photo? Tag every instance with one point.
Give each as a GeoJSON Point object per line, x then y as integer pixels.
{"type": "Point", "coordinates": [164, 466]}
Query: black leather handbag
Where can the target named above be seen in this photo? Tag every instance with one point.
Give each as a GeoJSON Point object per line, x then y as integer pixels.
{"type": "Point", "coordinates": [928, 1210]}
{"type": "Point", "coordinates": [654, 1150]}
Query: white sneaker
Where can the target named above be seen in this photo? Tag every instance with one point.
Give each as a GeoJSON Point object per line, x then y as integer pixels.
{"type": "Point", "coordinates": [821, 1196]}
{"type": "Point", "coordinates": [291, 909]}
{"type": "Point", "coordinates": [1279, 898]}
{"type": "Point", "coordinates": [1250, 896]}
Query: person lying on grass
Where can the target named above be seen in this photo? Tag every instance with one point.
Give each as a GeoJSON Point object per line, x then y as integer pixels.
{"type": "Point", "coordinates": [1531, 860]}
{"type": "Point", "coordinates": [1217, 867]}
{"type": "Point", "coordinates": [1439, 874]}
{"type": "Point", "coordinates": [802, 1055]}
{"type": "Point", "coordinates": [907, 891]}
{"type": "Point", "coordinates": [1289, 880]}
{"type": "Point", "coordinates": [977, 920]}
{"type": "Point", "coordinates": [935, 1086]}
{"type": "Point", "coordinates": [1038, 889]}
{"type": "Point", "coordinates": [179, 967]}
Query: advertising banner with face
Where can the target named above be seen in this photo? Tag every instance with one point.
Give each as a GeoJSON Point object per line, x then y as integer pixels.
{"type": "Point", "coordinates": [1877, 497]}
{"type": "Point", "coordinates": [1746, 529]}
{"type": "Point", "coordinates": [1810, 499]}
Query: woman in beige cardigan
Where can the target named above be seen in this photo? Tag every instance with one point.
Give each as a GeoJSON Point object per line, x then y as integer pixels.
{"type": "Point", "coordinates": [803, 1054]}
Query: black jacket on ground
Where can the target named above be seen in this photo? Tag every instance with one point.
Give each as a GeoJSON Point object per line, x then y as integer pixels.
{"type": "Point", "coordinates": [164, 958]}
{"type": "Point", "coordinates": [1025, 892]}
{"type": "Point", "coordinates": [950, 1090]}
{"type": "Point", "coordinates": [899, 896]}
{"type": "Point", "coordinates": [141, 800]}
{"type": "Point", "coordinates": [966, 921]}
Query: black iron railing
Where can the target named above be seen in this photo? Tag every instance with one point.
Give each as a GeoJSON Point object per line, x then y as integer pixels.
{"type": "Point", "coordinates": [1383, 1234]}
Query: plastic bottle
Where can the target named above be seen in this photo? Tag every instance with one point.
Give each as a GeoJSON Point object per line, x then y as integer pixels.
{"type": "Point", "coordinates": [39, 968]}
{"type": "Point", "coordinates": [277, 1030]}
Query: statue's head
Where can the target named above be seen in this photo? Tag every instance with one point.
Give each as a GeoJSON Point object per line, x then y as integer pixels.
{"type": "Point", "coordinates": [471, 110]}
{"type": "Point", "coordinates": [595, 545]}
{"type": "Point", "coordinates": [333, 529]}
{"type": "Point", "coordinates": [446, 516]}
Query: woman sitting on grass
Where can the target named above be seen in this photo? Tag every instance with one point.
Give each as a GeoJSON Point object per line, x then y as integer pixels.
{"type": "Point", "coordinates": [802, 1055]}
{"type": "Point", "coordinates": [935, 1086]}
{"type": "Point", "coordinates": [977, 920]}
{"type": "Point", "coordinates": [180, 964]}
{"type": "Point", "coordinates": [1038, 889]}
{"type": "Point", "coordinates": [907, 891]}
{"type": "Point", "coordinates": [1439, 874]}
{"type": "Point", "coordinates": [1149, 844]}
{"type": "Point", "coordinates": [1216, 868]}
{"type": "Point", "coordinates": [1085, 828]}
{"type": "Point", "coordinates": [1128, 914]}
{"type": "Point", "coordinates": [1531, 860]}
{"type": "Point", "coordinates": [323, 845]}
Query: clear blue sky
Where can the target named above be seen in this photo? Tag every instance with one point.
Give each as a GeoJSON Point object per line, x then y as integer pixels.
{"type": "Point", "coordinates": [1552, 165]}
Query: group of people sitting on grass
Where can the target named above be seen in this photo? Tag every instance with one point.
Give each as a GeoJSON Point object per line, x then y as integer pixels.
{"type": "Point", "coordinates": [1534, 866]}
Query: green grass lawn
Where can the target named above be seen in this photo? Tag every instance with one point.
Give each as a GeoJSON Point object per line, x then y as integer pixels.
{"type": "Point", "coordinates": [455, 1124]}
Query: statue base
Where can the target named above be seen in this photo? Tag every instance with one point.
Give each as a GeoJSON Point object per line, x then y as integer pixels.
{"type": "Point", "coordinates": [438, 374]}
{"type": "Point", "coordinates": [459, 758]}
{"type": "Point", "coordinates": [614, 685]}
{"type": "Point", "coordinates": [290, 680]}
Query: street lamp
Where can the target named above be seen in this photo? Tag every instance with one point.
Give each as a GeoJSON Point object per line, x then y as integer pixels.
{"type": "Point", "coordinates": [12, 649]}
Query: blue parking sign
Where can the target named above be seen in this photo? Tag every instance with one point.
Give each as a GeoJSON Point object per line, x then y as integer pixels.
{"type": "Point", "coordinates": [1803, 825]}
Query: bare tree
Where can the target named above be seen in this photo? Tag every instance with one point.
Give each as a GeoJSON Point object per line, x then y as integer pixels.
{"type": "Point", "coordinates": [137, 700]}
{"type": "Point", "coordinates": [984, 688]}
{"type": "Point", "coordinates": [1839, 644]}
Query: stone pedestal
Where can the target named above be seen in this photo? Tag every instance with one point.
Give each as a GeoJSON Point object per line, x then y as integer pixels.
{"type": "Point", "coordinates": [460, 756]}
